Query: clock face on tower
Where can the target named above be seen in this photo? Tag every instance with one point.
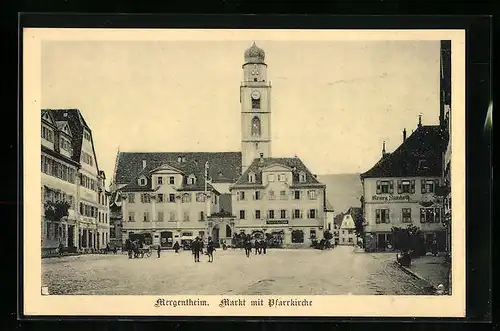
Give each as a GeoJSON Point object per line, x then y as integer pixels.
{"type": "Point", "coordinates": [255, 95]}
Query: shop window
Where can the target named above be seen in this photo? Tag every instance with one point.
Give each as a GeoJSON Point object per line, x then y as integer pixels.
{"type": "Point", "coordinates": [297, 237]}
{"type": "Point", "coordinates": [312, 234]}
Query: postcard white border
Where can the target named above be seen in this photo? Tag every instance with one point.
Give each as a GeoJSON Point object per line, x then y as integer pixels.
{"type": "Point", "coordinates": [325, 306]}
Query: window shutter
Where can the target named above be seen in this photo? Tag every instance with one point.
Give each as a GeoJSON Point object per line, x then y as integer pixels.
{"type": "Point", "coordinates": [391, 187]}
{"type": "Point", "coordinates": [436, 185]}
{"type": "Point", "coordinates": [377, 216]}
{"type": "Point", "coordinates": [388, 216]}
{"type": "Point", "coordinates": [422, 186]}
{"type": "Point", "coordinates": [412, 186]}
{"type": "Point", "coordinates": [399, 187]}
{"type": "Point", "coordinates": [378, 187]}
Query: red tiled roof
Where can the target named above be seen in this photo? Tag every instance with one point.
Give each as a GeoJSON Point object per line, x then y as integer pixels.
{"type": "Point", "coordinates": [419, 155]}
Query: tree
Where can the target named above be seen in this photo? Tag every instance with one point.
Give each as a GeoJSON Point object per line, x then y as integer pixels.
{"type": "Point", "coordinates": [55, 211]}
{"type": "Point", "coordinates": [327, 235]}
{"type": "Point", "coordinates": [408, 239]}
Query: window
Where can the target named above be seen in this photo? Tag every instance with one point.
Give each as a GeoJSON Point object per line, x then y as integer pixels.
{"type": "Point", "coordinates": [202, 216]}
{"type": "Point", "coordinates": [270, 178]}
{"type": "Point", "coordinates": [86, 135]}
{"type": "Point", "coordinates": [242, 214]}
{"type": "Point", "coordinates": [251, 178]}
{"type": "Point", "coordinates": [65, 144]}
{"type": "Point", "coordinates": [47, 134]}
{"type": "Point", "coordinates": [405, 186]}
{"type": "Point", "coordinates": [171, 180]}
{"type": "Point", "coordinates": [87, 158]}
{"type": "Point", "coordinates": [171, 197]}
{"type": "Point", "coordinates": [255, 103]}
{"type": "Point", "coordinates": [385, 186]}
{"type": "Point", "coordinates": [186, 216]}
{"type": "Point", "coordinates": [145, 198]}
{"type": "Point", "coordinates": [283, 213]}
{"type": "Point", "coordinates": [406, 215]}
{"type": "Point", "coordinates": [283, 195]}
{"type": "Point", "coordinates": [282, 178]}
{"type": "Point", "coordinates": [271, 195]}
{"type": "Point", "coordinates": [200, 197]}
{"type": "Point", "coordinates": [312, 234]}
{"type": "Point", "coordinates": [270, 214]}
{"type": "Point", "coordinates": [302, 177]}
{"type": "Point", "coordinates": [146, 216]}
{"type": "Point", "coordinates": [192, 180]}
{"type": "Point", "coordinates": [382, 216]}
{"type": "Point", "coordinates": [428, 186]}
{"type": "Point", "coordinates": [311, 195]}
{"type": "Point", "coordinates": [350, 239]}
{"type": "Point", "coordinates": [172, 216]}
{"type": "Point", "coordinates": [142, 181]}
{"type": "Point", "coordinates": [257, 214]}
{"type": "Point", "coordinates": [131, 217]}
{"type": "Point", "coordinates": [312, 213]}
{"type": "Point", "coordinates": [297, 213]}
{"type": "Point", "coordinates": [296, 195]}
{"type": "Point", "coordinates": [257, 195]}
{"type": "Point", "coordinates": [297, 237]}
{"type": "Point", "coordinates": [241, 195]}
{"type": "Point", "coordinates": [161, 197]}
{"type": "Point", "coordinates": [186, 198]}
{"type": "Point", "coordinates": [159, 180]}
{"type": "Point", "coordinates": [430, 215]}
{"type": "Point", "coordinates": [160, 216]}
{"type": "Point", "coordinates": [255, 127]}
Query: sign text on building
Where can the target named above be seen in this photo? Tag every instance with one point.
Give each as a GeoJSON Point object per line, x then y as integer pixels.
{"type": "Point", "coordinates": [391, 198]}
{"type": "Point", "coordinates": [277, 222]}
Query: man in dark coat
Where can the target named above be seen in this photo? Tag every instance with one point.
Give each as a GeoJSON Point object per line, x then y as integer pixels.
{"type": "Point", "coordinates": [176, 247]}
{"type": "Point", "coordinates": [210, 250]}
{"type": "Point", "coordinates": [196, 249]}
{"type": "Point", "coordinates": [128, 247]}
{"type": "Point", "coordinates": [264, 246]}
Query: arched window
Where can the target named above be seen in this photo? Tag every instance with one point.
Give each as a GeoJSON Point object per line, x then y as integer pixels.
{"type": "Point", "coordinates": [255, 126]}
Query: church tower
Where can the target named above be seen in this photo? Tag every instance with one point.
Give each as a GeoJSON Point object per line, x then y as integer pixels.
{"type": "Point", "coordinates": [255, 100]}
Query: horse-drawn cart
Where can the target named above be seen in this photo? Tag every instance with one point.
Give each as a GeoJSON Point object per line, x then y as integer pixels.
{"type": "Point", "coordinates": [142, 251]}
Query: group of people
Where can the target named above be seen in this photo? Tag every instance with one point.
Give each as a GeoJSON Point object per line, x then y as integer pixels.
{"type": "Point", "coordinates": [197, 247]}
{"type": "Point", "coordinates": [133, 248]}
{"type": "Point", "coordinates": [259, 245]}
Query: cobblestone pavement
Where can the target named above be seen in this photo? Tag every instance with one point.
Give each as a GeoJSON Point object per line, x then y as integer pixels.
{"type": "Point", "coordinates": [339, 271]}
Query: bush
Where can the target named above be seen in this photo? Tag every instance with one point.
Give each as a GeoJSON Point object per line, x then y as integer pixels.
{"type": "Point", "coordinates": [409, 239]}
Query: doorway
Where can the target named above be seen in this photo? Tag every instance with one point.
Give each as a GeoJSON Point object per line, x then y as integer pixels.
{"type": "Point", "coordinates": [381, 241]}
{"type": "Point", "coordinates": [71, 236]}
{"type": "Point", "coordinates": [215, 234]}
{"type": "Point", "coordinates": [166, 239]}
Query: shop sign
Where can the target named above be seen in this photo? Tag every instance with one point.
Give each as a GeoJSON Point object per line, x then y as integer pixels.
{"type": "Point", "coordinates": [269, 222]}
{"type": "Point", "coordinates": [391, 197]}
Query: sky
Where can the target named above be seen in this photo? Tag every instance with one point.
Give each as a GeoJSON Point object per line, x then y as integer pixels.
{"type": "Point", "coordinates": [333, 102]}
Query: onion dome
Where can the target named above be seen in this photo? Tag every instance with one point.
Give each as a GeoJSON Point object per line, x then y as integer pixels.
{"type": "Point", "coordinates": [254, 54]}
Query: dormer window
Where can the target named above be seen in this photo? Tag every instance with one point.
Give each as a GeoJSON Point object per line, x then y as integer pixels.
{"type": "Point", "coordinates": [179, 159]}
{"type": "Point", "coordinates": [302, 177]}
{"type": "Point", "coordinates": [142, 181]}
{"type": "Point", "coordinates": [281, 178]}
{"type": "Point", "coordinates": [47, 134]}
{"type": "Point", "coordinates": [251, 177]}
{"type": "Point", "coordinates": [86, 135]}
{"type": "Point", "coordinates": [192, 179]}
{"type": "Point", "coordinates": [159, 180]}
{"type": "Point", "coordinates": [422, 164]}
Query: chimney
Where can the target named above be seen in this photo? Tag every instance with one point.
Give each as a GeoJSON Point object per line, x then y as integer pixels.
{"type": "Point", "coordinates": [383, 149]}
{"type": "Point", "coordinates": [261, 157]}
{"type": "Point", "coordinates": [420, 120]}
{"type": "Point", "coordinates": [404, 134]}
{"type": "Point", "coordinates": [143, 164]}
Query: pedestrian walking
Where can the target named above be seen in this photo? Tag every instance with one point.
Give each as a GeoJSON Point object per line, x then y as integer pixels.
{"type": "Point", "coordinates": [210, 250]}
{"type": "Point", "coordinates": [158, 250]}
{"type": "Point", "coordinates": [264, 246]}
{"type": "Point", "coordinates": [434, 247]}
{"type": "Point", "coordinates": [60, 250]}
{"type": "Point", "coordinates": [196, 249]}
{"type": "Point", "coordinates": [128, 247]}
{"type": "Point", "coordinates": [176, 247]}
{"type": "Point", "coordinates": [256, 246]}
{"type": "Point", "coordinates": [248, 247]}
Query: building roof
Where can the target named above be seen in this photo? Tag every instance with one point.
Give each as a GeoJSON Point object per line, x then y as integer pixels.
{"type": "Point", "coordinates": [348, 222]}
{"type": "Point", "coordinates": [293, 163]}
{"type": "Point", "coordinates": [224, 167]}
{"type": "Point", "coordinates": [328, 206]}
{"type": "Point", "coordinates": [337, 220]}
{"type": "Point", "coordinates": [420, 155]}
{"type": "Point", "coordinates": [187, 168]}
{"type": "Point", "coordinates": [76, 124]}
